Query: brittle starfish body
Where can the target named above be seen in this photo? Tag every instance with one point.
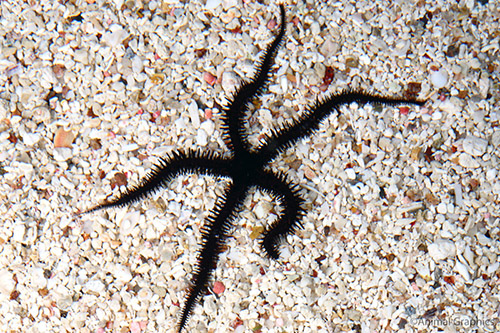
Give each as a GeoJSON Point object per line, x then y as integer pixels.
{"type": "Point", "coordinates": [246, 167]}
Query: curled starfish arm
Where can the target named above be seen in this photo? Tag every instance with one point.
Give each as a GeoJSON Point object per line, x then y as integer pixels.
{"type": "Point", "coordinates": [291, 215]}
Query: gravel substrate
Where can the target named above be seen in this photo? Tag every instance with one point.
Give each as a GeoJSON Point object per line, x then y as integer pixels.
{"type": "Point", "coordinates": [403, 225]}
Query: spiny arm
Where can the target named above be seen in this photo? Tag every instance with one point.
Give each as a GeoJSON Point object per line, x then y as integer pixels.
{"type": "Point", "coordinates": [292, 213]}
{"type": "Point", "coordinates": [310, 120]}
{"type": "Point", "coordinates": [233, 115]}
{"type": "Point", "coordinates": [214, 234]}
{"type": "Point", "coordinates": [179, 163]}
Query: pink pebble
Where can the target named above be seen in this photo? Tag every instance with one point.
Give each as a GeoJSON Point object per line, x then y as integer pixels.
{"type": "Point", "coordinates": [218, 288]}
{"type": "Point", "coordinates": [271, 24]}
{"type": "Point", "coordinates": [135, 327]}
{"type": "Point", "coordinates": [138, 326]}
{"type": "Point", "coordinates": [209, 78]}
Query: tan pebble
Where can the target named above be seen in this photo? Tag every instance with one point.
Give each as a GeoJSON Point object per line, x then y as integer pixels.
{"type": "Point", "coordinates": [63, 138]}
{"type": "Point", "coordinates": [309, 173]}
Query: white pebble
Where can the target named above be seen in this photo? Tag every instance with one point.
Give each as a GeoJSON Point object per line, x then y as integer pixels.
{"type": "Point", "coordinates": [350, 173]}
{"type": "Point", "coordinates": [437, 115]}
{"type": "Point", "coordinates": [201, 137]}
{"type": "Point", "coordinates": [208, 126]}
{"type": "Point", "coordinates": [442, 208]}
{"type": "Point", "coordinates": [137, 65]}
{"type": "Point", "coordinates": [130, 220]}
{"type": "Point", "coordinates": [462, 270]}
{"type": "Point", "coordinates": [385, 144]}
{"type": "Point", "coordinates": [212, 4]}
{"type": "Point", "coordinates": [439, 78]}
{"type": "Point", "coordinates": [81, 56]}
{"type": "Point", "coordinates": [115, 37]}
{"type": "Point", "coordinates": [493, 268]}
{"type": "Point", "coordinates": [19, 231]}
{"type": "Point", "coordinates": [193, 114]}
{"type": "Point", "coordinates": [475, 146]}
{"type": "Point", "coordinates": [468, 161]}
{"type": "Point", "coordinates": [495, 138]}
{"type": "Point", "coordinates": [62, 154]}
{"type": "Point", "coordinates": [229, 81]}
{"type": "Point", "coordinates": [315, 28]}
{"type": "Point", "coordinates": [422, 269]}
{"type": "Point", "coordinates": [491, 174]}
{"type": "Point", "coordinates": [95, 286]}
{"type": "Point", "coordinates": [122, 274]}
{"type": "Point", "coordinates": [441, 249]}
{"type": "Point", "coordinates": [30, 139]}
{"type": "Point", "coordinates": [6, 282]}
{"type": "Point", "coordinates": [262, 209]}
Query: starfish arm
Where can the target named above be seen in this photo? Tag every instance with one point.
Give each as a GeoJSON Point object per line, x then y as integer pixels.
{"type": "Point", "coordinates": [214, 234]}
{"type": "Point", "coordinates": [234, 114]}
{"type": "Point", "coordinates": [293, 210]}
{"type": "Point", "coordinates": [309, 121]}
{"type": "Point", "coordinates": [179, 163]}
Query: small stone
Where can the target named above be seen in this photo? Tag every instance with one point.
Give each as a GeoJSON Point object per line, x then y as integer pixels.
{"type": "Point", "coordinates": [385, 144]}
{"type": "Point", "coordinates": [81, 56]}
{"type": "Point", "coordinates": [58, 70]}
{"type": "Point", "coordinates": [209, 78]}
{"type": "Point", "coordinates": [212, 4]}
{"type": "Point", "coordinates": [7, 284]}
{"type": "Point", "coordinates": [95, 286]}
{"type": "Point", "coordinates": [62, 154]}
{"type": "Point", "coordinates": [475, 146]}
{"type": "Point", "coordinates": [63, 138]}
{"type": "Point", "coordinates": [262, 209]}
{"type": "Point", "coordinates": [138, 326]}
{"type": "Point", "coordinates": [218, 288]}
{"type": "Point", "coordinates": [462, 270]}
{"type": "Point", "coordinates": [208, 126]}
{"type": "Point", "coordinates": [468, 161]}
{"type": "Point", "coordinates": [495, 138]}
{"type": "Point", "coordinates": [18, 233]}
{"type": "Point", "coordinates": [329, 48]}
{"type": "Point", "coordinates": [441, 249]}
{"type": "Point", "coordinates": [442, 208]}
{"type": "Point", "coordinates": [201, 137]}
{"type": "Point", "coordinates": [350, 173]}
{"type": "Point", "coordinates": [439, 78]}
{"type": "Point", "coordinates": [194, 114]}
{"type": "Point", "coordinates": [137, 65]}
{"type": "Point", "coordinates": [229, 81]}
{"type": "Point", "coordinates": [31, 139]}
{"type": "Point", "coordinates": [115, 37]}
{"type": "Point", "coordinates": [8, 51]}
{"type": "Point", "coordinates": [309, 173]}
{"type": "Point", "coordinates": [122, 273]}
{"type": "Point", "coordinates": [423, 270]}
{"type": "Point", "coordinates": [491, 174]}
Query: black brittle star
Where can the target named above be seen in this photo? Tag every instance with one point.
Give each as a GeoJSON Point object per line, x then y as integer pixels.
{"type": "Point", "coordinates": [246, 167]}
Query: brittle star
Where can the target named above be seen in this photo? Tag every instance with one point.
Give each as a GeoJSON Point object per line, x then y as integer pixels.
{"type": "Point", "coordinates": [247, 168]}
